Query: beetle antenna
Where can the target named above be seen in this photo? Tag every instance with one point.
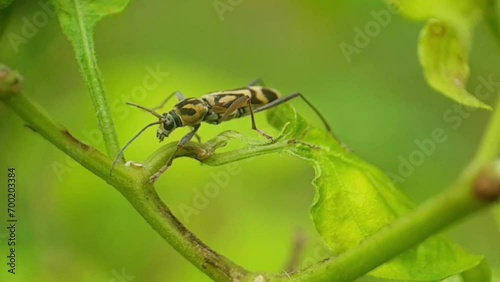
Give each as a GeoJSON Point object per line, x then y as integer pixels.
{"type": "Point", "coordinates": [144, 109]}
{"type": "Point", "coordinates": [120, 154]}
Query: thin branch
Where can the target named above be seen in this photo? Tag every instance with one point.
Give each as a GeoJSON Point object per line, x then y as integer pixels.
{"type": "Point", "coordinates": [205, 153]}
{"type": "Point", "coordinates": [147, 202]}
{"type": "Point", "coordinates": [489, 149]}
{"type": "Point", "coordinates": [131, 182]}
{"type": "Point", "coordinates": [41, 122]}
{"type": "Point", "coordinates": [403, 234]}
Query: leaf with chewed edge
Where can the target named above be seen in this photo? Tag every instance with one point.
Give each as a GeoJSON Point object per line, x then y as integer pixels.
{"type": "Point", "coordinates": [445, 42]}
{"type": "Point", "coordinates": [443, 54]}
{"type": "Point", "coordinates": [355, 199]}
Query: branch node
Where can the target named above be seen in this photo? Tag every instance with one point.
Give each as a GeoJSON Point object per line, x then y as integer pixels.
{"type": "Point", "coordinates": [487, 183]}
{"type": "Point", "coordinates": [68, 135]}
{"type": "Point", "coordinates": [10, 81]}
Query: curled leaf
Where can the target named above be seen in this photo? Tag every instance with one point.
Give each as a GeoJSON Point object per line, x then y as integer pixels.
{"type": "Point", "coordinates": [445, 43]}
{"type": "Point", "coordinates": [443, 53]}
{"type": "Point", "coordinates": [354, 200]}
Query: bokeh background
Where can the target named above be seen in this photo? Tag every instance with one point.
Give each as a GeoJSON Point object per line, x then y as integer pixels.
{"type": "Point", "coordinates": [74, 227]}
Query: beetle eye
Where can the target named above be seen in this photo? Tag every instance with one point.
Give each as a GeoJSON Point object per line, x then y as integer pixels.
{"type": "Point", "coordinates": [169, 123]}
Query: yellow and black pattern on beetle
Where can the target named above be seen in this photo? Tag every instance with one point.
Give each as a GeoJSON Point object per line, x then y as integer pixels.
{"type": "Point", "coordinates": [220, 102]}
{"type": "Point", "coordinates": [262, 95]}
{"type": "Point", "coordinates": [191, 111]}
{"type": "Point", "coordinates": [259, 96]}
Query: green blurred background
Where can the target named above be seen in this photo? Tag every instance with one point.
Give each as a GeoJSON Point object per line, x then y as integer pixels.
{"type": "Point", "coordinates": [74, 227]}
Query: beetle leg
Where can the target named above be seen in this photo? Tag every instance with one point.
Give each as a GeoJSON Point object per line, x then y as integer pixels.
{"type": "Point", "coordinates": [238, 103]}
{"type": "Point", "coordinates": [290, 97]}
{"type": "Point", "coordinates": [254, 126]}
{"type": "Point", "coordinates": [181, 144]}
{"type": "Point", "coordinates": [295, 95]}
{"type": "Point", "coordinates": [242, 102]}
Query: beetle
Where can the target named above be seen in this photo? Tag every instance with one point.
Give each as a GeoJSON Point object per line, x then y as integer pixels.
{"type": "Point", "coordinates": [213, 108]}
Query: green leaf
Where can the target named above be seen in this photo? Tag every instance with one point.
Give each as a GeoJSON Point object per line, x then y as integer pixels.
{"type": "Point", "coordinates": [355, 199]}
{"type": "Point", "coordinates": [78, 19]}
{"type": "Point", "coordinates": [452, 11]}
{"type": "Point", "coordinates": [481, 272]}
{"type": "Point", "coordinates": [445, 42]}
{"type": "Point", "coordinates": [82, 15]}
{"type": "Point", "coordinates": [443, 53]}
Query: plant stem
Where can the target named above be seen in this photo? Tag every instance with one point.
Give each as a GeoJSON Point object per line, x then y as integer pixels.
{"type": "Point", "coordinates": [83, 44]}
{"type": "Point", "coordinates": [205, 153]}
{"type": "Point", "coordinates": [406, 232]}
{"type": "Point", "coordinates": [39, 121]}
{"type": "Point", "coordinates": [130, 182]}
{"type": "Point", "coordinates": [489, 148]}
{"type": "Point", "coordinates": [147, 202]}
